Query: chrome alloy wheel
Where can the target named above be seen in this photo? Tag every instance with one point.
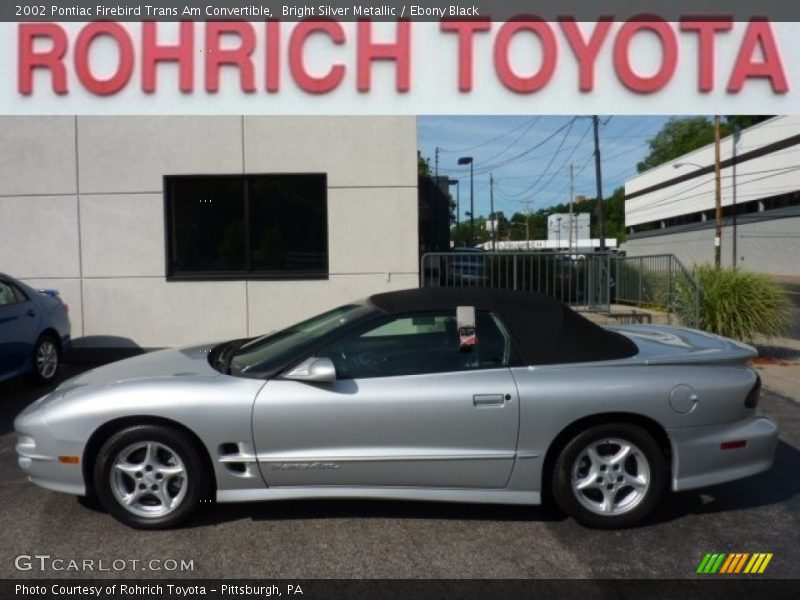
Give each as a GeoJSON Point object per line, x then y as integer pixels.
{"type": "Point", "coordinates": [148, 479]}
{"type": "Point", "coordinates": [46, 359]}
{"type": "Point", "coordinates": [610, 476]}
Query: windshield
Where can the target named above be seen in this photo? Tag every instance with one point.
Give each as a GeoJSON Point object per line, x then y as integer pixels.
{"type": "Point", "coordinates": [273, 350]}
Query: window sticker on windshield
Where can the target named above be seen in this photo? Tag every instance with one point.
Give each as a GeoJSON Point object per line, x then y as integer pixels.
{"type": "Point", "coordinates": [465, 321]}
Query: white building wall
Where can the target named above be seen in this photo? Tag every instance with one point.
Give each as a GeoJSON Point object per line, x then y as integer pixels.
{"type": "Point", "coordinates": [81, 210]}
{"type": "Point", "coordinates": [768, 175]}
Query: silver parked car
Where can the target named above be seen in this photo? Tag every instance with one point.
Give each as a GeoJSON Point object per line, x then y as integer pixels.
{"type": "Point", "coordinates": [466, 395]}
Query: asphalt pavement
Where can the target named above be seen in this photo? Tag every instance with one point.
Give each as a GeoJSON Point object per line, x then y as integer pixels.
{"type": "Point", "coordinates": [355, 539]}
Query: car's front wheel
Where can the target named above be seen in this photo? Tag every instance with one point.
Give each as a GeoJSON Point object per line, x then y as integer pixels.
{"type": "Point", "coordinates": [46, 359]}
{"type": "Point", "coordinates": [610, 476]}
{"type": "Point", "coordinates": [150, 476]}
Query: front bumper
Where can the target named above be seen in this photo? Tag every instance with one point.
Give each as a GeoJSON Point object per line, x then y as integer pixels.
{"type": "Point", "coordinates": [699, 461]}
{"type": "Point", "coordinates": [38, 452]}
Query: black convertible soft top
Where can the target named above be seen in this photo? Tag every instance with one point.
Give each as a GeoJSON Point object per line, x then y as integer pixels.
{"type": "Point", "coordinates": [545, 331]}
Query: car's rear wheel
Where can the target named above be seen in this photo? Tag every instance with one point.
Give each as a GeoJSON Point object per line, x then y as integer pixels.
{"type": "Point", "coordinates": [46, 359]}
{"type": "Point", "coordinates": [150, 476]}
{"type": "Point", "coordinates": [610, 476]}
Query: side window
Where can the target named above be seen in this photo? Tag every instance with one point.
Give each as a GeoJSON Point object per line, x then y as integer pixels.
{"type": "Point", "coordinates": [7, 295]}
{"type": "Point", "coordinates": [21, 297]}
{"type": "Point", "coordinates": [420, 343]}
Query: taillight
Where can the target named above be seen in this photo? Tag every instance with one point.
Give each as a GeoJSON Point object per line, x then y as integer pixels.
{"type": "Point", "coordinates": [755, 394]}
{"type": "Point", "coordinates": [66, 308]}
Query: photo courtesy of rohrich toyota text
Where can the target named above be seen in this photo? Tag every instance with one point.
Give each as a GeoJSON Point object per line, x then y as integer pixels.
{"type": "Point", "coordinates": [333, 300]}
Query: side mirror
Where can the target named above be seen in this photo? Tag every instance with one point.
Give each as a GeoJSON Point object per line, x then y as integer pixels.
{"type": "Point", "coordinates": [313, 369]}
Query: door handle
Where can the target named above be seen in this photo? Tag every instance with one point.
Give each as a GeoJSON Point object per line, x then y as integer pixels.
{"type": "Point", "coordinates": [30, 312]}
{"type": "Point", "coordinates": [488, 399]}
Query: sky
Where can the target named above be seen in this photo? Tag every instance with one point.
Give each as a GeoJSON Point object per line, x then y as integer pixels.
{"type": "Point", "coordinates": [529, 156]}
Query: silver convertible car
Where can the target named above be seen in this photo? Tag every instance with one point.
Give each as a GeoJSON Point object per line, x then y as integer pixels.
{"type": "Point", "coordinates": [431, 394]}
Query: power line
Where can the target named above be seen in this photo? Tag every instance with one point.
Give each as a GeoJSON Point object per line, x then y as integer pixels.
{"type": "Point", "coordinates": [682, 196]}
{"type": "Point", "coordinates": [550, 164]}
{"type": "Point", "coordinates": [529, 122]}
{"type": "Point", "coordinates": [485, 168]}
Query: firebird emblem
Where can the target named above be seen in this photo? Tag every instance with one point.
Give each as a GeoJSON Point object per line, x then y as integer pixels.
{"type": "Point", "coordinates": [302, 466]}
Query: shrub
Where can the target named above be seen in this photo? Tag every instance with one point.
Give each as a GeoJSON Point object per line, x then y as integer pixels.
{"type": "Point", "coordinates": [741, 304]}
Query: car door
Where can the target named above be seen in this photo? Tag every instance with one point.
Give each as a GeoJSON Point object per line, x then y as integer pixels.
{"type": "Point", "coordinates": [18, 327]}
{"type": "Point", "coordinates": [408, 408]}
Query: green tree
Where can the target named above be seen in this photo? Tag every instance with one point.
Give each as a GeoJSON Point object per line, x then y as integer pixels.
{"type": "Point", "coordinates": [742, 121]}
{"type": "Point", "coordinates": [677, 137]}
{"type": "Point", "coordinates": [681, 135]}
{"type": "Point", "coordinates": [423, 166]}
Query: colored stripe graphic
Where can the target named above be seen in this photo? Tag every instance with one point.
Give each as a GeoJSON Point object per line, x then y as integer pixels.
{"type": "Point", "coordinates": [734, 562]}
{"type": "Point", "coordinates": [717, 564]}
{"type": "Point", "coordinates": [701, 567]}
{"type": "Point", "coordinates": [732, 558]}
{"type": "Point", "coordinates": [764, 564]}
{"type": "Point", "coordinates": [758, 563]}
{"type": "Point", "coordinates": [742, 560]}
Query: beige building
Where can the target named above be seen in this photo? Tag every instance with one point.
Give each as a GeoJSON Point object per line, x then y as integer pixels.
{"type": "Point", "coordinates": [162, 231]}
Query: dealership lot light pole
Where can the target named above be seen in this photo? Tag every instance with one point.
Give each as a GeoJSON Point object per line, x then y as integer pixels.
{"type": "Point", "coordinates": [467, 160]}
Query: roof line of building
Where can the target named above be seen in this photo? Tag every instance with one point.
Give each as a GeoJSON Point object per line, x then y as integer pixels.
{"type": "Point", "coordinates": [728, 162]}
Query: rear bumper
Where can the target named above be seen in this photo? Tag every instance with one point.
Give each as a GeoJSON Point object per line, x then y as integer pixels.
{"type": "Point", "coordinates": [699, 461]}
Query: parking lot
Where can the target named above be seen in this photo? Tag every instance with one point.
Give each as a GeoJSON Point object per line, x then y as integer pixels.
{"type": "Point", "coordinates": [350, 539]}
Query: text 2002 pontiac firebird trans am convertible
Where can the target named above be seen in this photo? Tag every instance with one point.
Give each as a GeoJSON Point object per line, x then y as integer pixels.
{"type": "Point", "coordinates": [432, 394]}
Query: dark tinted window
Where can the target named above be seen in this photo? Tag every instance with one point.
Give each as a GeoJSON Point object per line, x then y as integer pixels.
{"type": "Point", "coordinates": [7, 295]}
{"type": "Point", "coordinates": [417, 344]}
{"type": "Point", "coordinates": [21, 296]}
{"type": "Point", "coordinates": [238, 226]}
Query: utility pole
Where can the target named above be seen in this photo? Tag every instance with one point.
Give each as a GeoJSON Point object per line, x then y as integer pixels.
{"type": "Point", "coordinates": [571, 196]}
{"type": "Point", "coordinates": [436, 163]}
{"type": "Point", "coordinates": [736, 133]}
{"type": "Point", "coordinates": [492, 216]}
{"type": "Point", "coordinates": [717, 195]}
{"type": "Point", "coordinates": [467, 160]}
{"type": "Point", "coordinates": [599, 180]}
{"type": "Point", "coordinates": [528, 224]}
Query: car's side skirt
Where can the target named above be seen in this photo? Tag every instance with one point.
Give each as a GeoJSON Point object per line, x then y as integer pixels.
{"type": "Point", "coordinates": [382, 493]}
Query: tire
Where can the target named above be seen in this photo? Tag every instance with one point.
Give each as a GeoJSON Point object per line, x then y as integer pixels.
{"type": "Point", "coordinates": [46, 359]}
{"type": "Point", "coordinates": [166, 493]}
{"type": "Point", "coordinates": [606, 489]}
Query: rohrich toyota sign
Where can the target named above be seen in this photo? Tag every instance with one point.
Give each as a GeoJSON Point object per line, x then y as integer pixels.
{"type": "Point", "coordinates": [454, 66]}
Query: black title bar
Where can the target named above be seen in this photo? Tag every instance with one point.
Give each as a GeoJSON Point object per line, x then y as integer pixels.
{"type": "Point", "coordinates": [497, 10]}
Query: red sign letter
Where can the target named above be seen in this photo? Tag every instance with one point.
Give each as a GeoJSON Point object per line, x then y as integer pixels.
{"type": "Point", "coordinates": [586, 52]}
{"type": "Point", "coordinates": [465, 31]}
{"type": "Point", "coordinates": [669, 45]}
{"type": "Point", "coordinates": [759, 34]}
{"type": "Point", "coordinates": [706, 30]}
{"type": "Point", "coordinates": [315, 84]}
{"type": "Point", "coordinates": [117, 81]}
{"type": "Point", "coordinates": [272, 66]}
{"type": "Point", "coordinates": [52, 59]}
{"type": "Point", "coordinates": [153, 53]}
{"type": "Point", "coordinates": [368, 51]}
{"type": "Point", "coordinates": [502, 62]}
{"type": "Point", "coordinates": [238, 57]}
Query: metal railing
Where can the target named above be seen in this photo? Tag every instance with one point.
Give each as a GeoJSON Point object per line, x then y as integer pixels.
{"type": "Point", "coordinates": [581, 282]}
{"type": "Point", "coordinates": [660, 281]}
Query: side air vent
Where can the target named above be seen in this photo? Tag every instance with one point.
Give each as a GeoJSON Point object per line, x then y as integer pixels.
{"type": "Point", "coordinates": [236, 459]}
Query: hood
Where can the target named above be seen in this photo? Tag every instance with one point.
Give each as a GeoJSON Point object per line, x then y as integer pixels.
{"type": "Point", "coordinates": [663, 345]}
{"type": "Point", "coordinates": [177, 362]}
